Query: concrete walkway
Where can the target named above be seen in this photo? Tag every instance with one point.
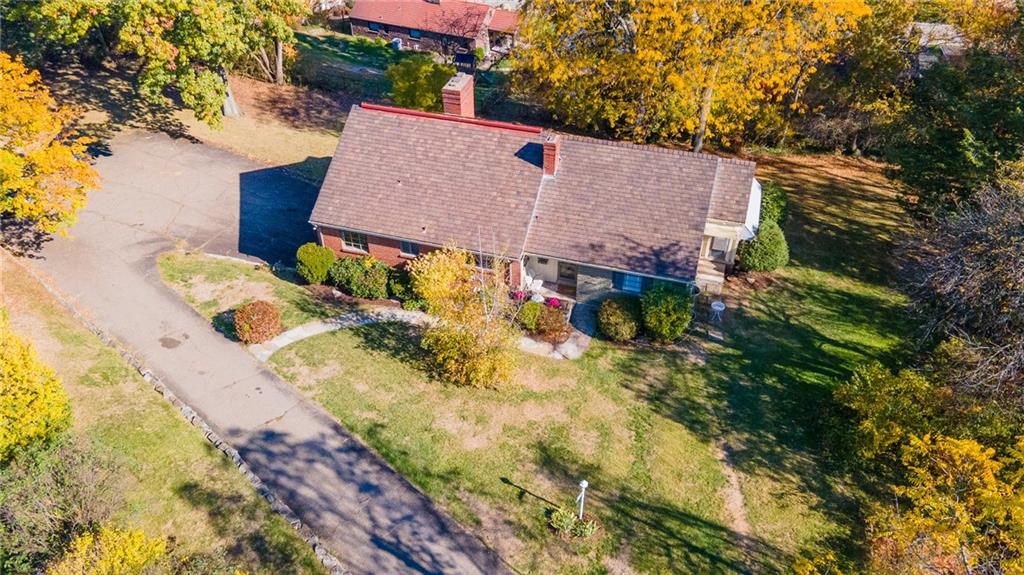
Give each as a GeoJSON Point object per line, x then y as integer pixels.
{"type": "Point", "coordinates": [158, 192]}
{"type": "Point", "coordinates": [573, 348]}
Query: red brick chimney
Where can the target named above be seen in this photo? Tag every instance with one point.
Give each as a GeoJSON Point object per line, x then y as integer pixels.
{"type": "Point", "coordinates": [457, 96]}
{"type": "Point", "coordinates": [552, 152]}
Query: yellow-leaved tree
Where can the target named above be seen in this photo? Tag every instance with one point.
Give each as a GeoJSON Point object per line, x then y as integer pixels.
{"type": "Point", "coordinates": [652, 70]}
{"type": "Point", "coordinates": [474, 340]}
{"type": "Point", "coordinates": [110, 552]}
{"type": "Point", "coordinates": [45, 172]}
{"type": "Point", "coordinates": [34, 409]}
{"type": "Point", "coordinates": [961, 511]}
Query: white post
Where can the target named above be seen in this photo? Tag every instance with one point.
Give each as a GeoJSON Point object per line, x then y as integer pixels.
{"type": "Point", "coordinates": [582, 496]}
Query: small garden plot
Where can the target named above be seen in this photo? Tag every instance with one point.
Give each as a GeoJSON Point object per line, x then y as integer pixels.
{"type": "Point", "coordinates": [215, 287]}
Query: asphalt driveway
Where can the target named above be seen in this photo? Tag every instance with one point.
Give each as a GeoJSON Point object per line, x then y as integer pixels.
{"type": "Point", "coordinates": [159, 193]}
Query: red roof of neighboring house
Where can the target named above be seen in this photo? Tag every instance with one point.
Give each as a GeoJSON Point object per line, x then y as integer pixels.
{"type": "Point", "coordinates": [504, 21]}
{"type": "Point", "coordinates": [432, 178]}
{"type": "Point", "coordinates": [451, 17]}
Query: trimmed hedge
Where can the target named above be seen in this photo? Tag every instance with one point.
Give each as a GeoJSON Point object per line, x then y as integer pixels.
{"type": "Point", "coordinates": [766, 252]}
{"type": "Point", "coordinates": [619, 317]}
{"type": "Point", "coordinates": [774, 204]}
{"type": "Point", "coordinates": [363, 277]}
{"type": "Point", "coordinates": [257, 321]}
{"type": "Point", "coordinates": [529, 314]}
{"type": "Point", "coordinates": [313, 261]}
{"type": "Point", "coordinates": [667, 310]}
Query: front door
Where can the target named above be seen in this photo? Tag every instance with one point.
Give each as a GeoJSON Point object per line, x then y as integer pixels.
{"type": "Point", "coordinates": [567, 274]}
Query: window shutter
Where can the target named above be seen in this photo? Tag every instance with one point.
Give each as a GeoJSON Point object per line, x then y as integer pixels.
{"type": "Point", "coordinates": [617, 280]}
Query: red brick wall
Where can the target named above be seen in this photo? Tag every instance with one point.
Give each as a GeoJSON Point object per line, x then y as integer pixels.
{"type": "Point", "coordinates": [389, 251]}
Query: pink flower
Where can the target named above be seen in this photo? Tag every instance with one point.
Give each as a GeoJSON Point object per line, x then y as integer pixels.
{"type": "Point", "coordinates": [519, 295]}
{"type": "Point", "coordinates": [554, 302]}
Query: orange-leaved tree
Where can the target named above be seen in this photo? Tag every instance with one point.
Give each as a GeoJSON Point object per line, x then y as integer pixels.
{"type": "Point", "coordinates": [45, 172]}
{"type": "Point", "coordinates": [659, 69]}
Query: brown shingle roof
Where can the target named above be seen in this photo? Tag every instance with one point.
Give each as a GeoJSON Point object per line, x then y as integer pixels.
{"type": "Point", "coordinates": [432, 180]}
{"type": "Point", "coordinates": [451, 17]}
{"type": "Point", "coordinates": [626, 207]}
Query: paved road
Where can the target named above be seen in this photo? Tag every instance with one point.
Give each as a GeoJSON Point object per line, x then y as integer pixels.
{"type": "Point", "coordinates": [158, 192]}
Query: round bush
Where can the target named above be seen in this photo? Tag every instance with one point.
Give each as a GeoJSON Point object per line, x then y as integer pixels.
{"type": "Point", "coordinates": [552, 325]}
{"type": "Point", "coordinates": [774, 203]}
{"type": "Point", "coordinates": [766, 252]}
{"type": "Point", "coordinates": [256, 322]}
{"type": "Point", "coordinates": [618, 318]}
{"type": "Point", "coordinates": [313, 262]}
{"type": "Point", "coordinates": [529, 314]}
{"type": "Point", "coordinates": [667, 310]}
{"type": "Point", "coordinates": [363, 277]}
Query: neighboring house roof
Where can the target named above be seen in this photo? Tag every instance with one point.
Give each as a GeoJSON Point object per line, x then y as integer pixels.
{"type": "Point", "coordinates": [415, 177]}
{"type": "Point", "coordinates": [504, 21]}
{"type": "Point", "coordinates": [450, 17]}
{"type": "Point", "coordinates": [632, 207]}
{"type": "Point", "coordinates": [432, 178]}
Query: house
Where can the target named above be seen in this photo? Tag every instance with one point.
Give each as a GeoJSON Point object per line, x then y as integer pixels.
{"type": "Point", "coordinates": [577, 215]}
{"type": "Point", "coordinates": [446, 26]}
{"type": "Point", "coordinates": [936, 42]}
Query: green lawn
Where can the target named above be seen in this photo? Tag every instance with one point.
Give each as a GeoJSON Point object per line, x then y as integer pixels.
{"type": "Point", "coordinates": [355, 50]}
{"type": "Point", "coordinates": [215, 286]}
{"type": "Point", "coordinates": [175, 484]}
{"type": "Point", "coordinates": [501, 460]}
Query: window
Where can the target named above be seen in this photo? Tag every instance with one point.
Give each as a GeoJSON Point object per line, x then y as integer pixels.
{"type": "Point", "coordinates": [354, 241]}
{"type": "Point", "coordinates": [410, 249]}
{"type": "Point", "coordinates": [718, 249]}
{"type": "Point", "coordinates": [413, 33]}
{"type": "Point", "coordinates": [542, 261]}
{"type": "Point", "coordinates": [485, 262]}
{"type": "Point", "coordinates": [632, 283]}
{"type": "Point", "coordinates": [374, 26]}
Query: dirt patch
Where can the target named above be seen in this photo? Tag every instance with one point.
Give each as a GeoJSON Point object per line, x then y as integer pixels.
{"type": "Point", "coordinates": [298, 107]}
{"type": "Point", "coordinates": [535, 380]}
{"type": "Point", "coordinates": [735, 506]}
{"type": "Point", "coordinates": [498, 531]}
{"type": "Point", "coordinates": [228, 295]}
{"type": "Point", "coordinates": [474, 435]}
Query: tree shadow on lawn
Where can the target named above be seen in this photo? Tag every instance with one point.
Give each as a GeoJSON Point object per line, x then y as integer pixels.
{"type": "Point", "coordinates": [111, 90]}
{"type": "Point", "coordinates": [769, 389]}
{"type": "Point", "coordinates": [661, 537]}
{"type": "Point", "coordinates": [399, 341]}
{"type": "Point", "coordinates": [239, 520]}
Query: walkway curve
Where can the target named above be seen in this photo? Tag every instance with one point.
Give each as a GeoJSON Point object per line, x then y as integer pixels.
{"type": "Point", "coordinates": [573, 348]}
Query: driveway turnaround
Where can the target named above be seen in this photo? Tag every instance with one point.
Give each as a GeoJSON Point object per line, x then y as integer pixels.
{"type": "Point", "coordinates": [158, 193]}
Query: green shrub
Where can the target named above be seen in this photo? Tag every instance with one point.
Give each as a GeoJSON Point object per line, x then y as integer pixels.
{"type": "Point", "coordinates": [257, 321]}
{"type": "Point", "coordinates": [563, 520]}
{"type": "Point", "coordinates": [584, 529]}
{"type": "Point", "coordinates": [480, 54]}
{"type": "Point", "coordinates": [50, 498]}
{"type": "Point", "coordinates": [619, 318]}
{"type": "Point", "coordinates": [400, 288]}
{"type": "Point", "coordinates": [774, 204]}
{"type": "Point", "coordinates": [667, 310]}
{"type": "Point", "coordinates": [552, 325]}
{"type": "Point", "coordinates": [363, 277]}
{"type": "Point", "coordinates": [528, 315]}
{"type": "Point", "coordinates": [313, 262]}
{"type": "Point", "coordinates": [766, 252]}
{"type": "Point", "coordinates": [34, 410]}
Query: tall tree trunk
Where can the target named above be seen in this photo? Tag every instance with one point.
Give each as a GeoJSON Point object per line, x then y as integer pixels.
{"type": "Point", "coordinates": [279, 71]}
{"type": "Point", "coordinates": [705, 109]}
{"type": "Point", "coordinates": [230, 107]}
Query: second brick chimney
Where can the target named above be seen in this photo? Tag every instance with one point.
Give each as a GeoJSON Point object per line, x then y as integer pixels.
{"type": "Point", "coordinates": [457, 96]}
{"type": "Point", "coordinates": [552, 151]}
